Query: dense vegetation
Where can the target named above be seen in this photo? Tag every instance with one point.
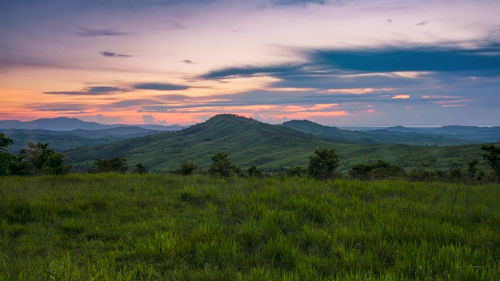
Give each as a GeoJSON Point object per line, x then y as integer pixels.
{"type": "Point", "coordinates": [269, 147]}
{"type": "Point", "coordinates": [386, 136]}
{"type": "Point", "coordinates": [154, 227]}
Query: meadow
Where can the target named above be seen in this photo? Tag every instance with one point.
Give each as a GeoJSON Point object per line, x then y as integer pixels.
{"type": "Point", "coordinates": [164, 227]}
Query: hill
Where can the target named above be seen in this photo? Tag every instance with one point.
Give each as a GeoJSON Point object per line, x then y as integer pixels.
{"type": "Point", "coordinates": [472, 134]}
{"type": "Point", "coordinates": [70, 124]}
{"type": "Point", "coordinates": [410, 137]}
{"type": "Point", "coordinates": [64, 140]}
{"type": "Point", "coordinates": [271, 147]}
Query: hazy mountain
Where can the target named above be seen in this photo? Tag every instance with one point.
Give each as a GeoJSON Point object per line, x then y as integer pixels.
{"type": "Point", "coordinates": [409, 137]}
{"type": "Point", "coordinates": [69, 124]}
{"type": "Point", "coordinates": [64, 140]}
{"type": "Point", "coordinates": [250, 142]}
{"type": "Point", "coordinates": [472, 134]}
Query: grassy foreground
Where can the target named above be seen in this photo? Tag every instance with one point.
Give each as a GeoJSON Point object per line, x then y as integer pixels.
{"type": "Point", "coordinates": [154, 227]}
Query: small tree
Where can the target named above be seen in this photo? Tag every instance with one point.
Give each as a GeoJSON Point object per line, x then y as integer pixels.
{"type": "Point", "coordinates": [6, 159]}
{"type": "Point", "coordinates": [105, 166]}
{"type": "Point", "coordinates": [296, 172]}
{"type": "Point", "coordinates": [491, 154]}
{"type": "Point", "coordinates": [222, 166]}
{"type": "Point", "coordinates": [253, 171]}
{"type": "Point", "coordinates": [140, 169]}
{"type": "Point", "coordinates": [186, 168]}
{"type": "Point", "coordinates": [39, 159]}
{"type": "Point", "coordinates": [323, 164]}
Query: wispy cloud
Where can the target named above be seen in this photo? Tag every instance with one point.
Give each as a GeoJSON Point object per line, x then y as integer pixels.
{"type": "Point", "coordinates": [89, 32]}
{"type": "Point", "coordinates": [298, 2]}
{"type": "Point", "coordinates": [98, 90]}
{"type": "Point", "coordinates": [114, 55]}
{"type": "Point", "coordinates": [54, 107]}
{"type": "Point", "coordinates": [160, 86]}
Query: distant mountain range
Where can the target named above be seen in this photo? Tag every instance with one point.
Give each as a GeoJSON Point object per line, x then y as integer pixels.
{"type": "Point", "coordinates": [271, 147]}
{"type": "Point", "coordinates": [250, 142]}
{"type": "Point", "coordinates": [70, 124]}
{"type": "Point", "coordinates": [448, 135]}
{"type": "Point", "coordinates": [64, 140]}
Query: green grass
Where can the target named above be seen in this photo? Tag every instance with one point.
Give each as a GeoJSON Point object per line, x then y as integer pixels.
{"type": "Point", "coordinates": [154, 227]}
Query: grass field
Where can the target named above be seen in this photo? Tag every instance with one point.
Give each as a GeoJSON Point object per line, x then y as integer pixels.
{"type": "Point", "coordinates": [155, 227]}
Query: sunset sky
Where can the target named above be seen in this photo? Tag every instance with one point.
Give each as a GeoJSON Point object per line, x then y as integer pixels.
{"type": "Point", "coordinates": [344, 63]}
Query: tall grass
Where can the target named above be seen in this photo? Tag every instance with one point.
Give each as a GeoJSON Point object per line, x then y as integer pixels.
{"type": "Point", "coordinates": [154, 227]}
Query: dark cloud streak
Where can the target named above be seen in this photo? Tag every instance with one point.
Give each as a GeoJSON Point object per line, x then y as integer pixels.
{"type": "Point", "coordinates": [114, 55]}
{"type": "Point", "coordinates": [90, 91]}
{"type": "Point", "coordinates": [160, 86]}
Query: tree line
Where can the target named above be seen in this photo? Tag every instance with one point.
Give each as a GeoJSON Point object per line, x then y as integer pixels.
{"type": "Point", "coordinates": [39, 159]}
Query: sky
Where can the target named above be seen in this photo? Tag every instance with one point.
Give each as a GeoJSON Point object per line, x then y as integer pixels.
{"type": "Point", "coordinates": [338, 62]}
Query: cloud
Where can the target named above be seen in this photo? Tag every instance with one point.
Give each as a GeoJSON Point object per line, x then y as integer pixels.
{"type": "Point", "coordinates": [99, 90]}
{"type": "Point", "coordinates": [160, 86]}
{"type": "Point", "coordinates": [297, 2]}
{"type": "Point", "coordinates": [400, 97]}
{"type": "Point", "coordinates": [483, 61]}
{"type": "Point", "coordinates": [89, 32]}
{"type": "Point", "coordinates": [410, 59]}
{"type": "Point", "coordinates": [129, 103]}
{"type": "Point", "coordinates": [58, 107]}
{"type": "Point", "coordinates": [247, 71]}
{"type": "Point", "coordinates": [114, 55]}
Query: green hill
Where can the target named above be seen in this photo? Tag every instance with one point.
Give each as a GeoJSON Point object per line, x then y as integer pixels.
{"type": "Point", "coordinates": [64, 140]}
{"type": "Point", "coordinates": [386, 136]}
{"type": "Point", "coordinates": [270, 147]}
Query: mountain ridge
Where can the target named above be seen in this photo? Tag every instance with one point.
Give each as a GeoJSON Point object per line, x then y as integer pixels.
{"type": "Point", "coordinates": [251, 142]}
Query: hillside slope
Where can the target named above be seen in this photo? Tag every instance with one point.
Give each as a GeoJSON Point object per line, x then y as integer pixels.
{"type": "Point", "coordinates": [374, 136]}
{"type": "Point", "coordinates": [64, 140]}
{"type": "Point", "coordinates": [271, 147]}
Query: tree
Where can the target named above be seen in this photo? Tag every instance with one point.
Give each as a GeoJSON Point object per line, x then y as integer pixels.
{"type": "Point", "coordinates": [39, 159]}
{"type": "Point", "coordinates": [185, 169]}
{"type": "Point", "coordinates": [296, 172]}
{"type": "Point", "coordinates": [222, 166]}
{"type": "Point", "coordinates": [118, 165]}
{"type": "Point", "coordinates": [379, 170]}
{"type": "Point", "coordinates": [323, 164]}
{"type": "Point", "coordinates": [140, 169]}
{"type": "Point", "coordinates": [491, 153]}
{"type": "Point", "coordinates": [253, 171]}
{"type": "Point", "coordinates": [6, 159]}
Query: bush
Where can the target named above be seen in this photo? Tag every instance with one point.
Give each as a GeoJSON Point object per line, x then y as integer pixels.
{"type": "Point", "coordinates": [6, 159]}
{"type": "Point", "coordinates": [323, 164]}
{"type": "Point", "coordinates": [222, 166]}
{"type": "Point", "coordinates": [253, 171]}
{"type": "Point", "coordinates": [105, 166]}
{"type": "Point", "coordinates": [297, 172]}
{"type": "Point", "coordinates": [186, 169]}
{"type": "Point", "coordinates": [379, 170]}
{"type": "Point", "coordinates": [491, 154]}
{"type": "Point", "coordinates": [140, 169]}
{"type": "Point", "coordinates": [39, 159]}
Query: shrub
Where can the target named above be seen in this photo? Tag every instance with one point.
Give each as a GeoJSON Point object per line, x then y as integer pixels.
{"type": "Point", "coordinates": [222, 166]}
{"type": "Point", "coordinates": [379, 170]}
{"type": "Point", "coordinates": [105, 166]}
{"type": "Point", "coordinates": [297, 172]}
{"type": "Point", "coordinates": [140, 169]}
{"type": "Point", "coordinates": [253, 171]}
{"type": "Point", "coordinates": [491, 154]}
{"type": "Point", "coordinates": [185, 169]}
{"type": "Point", "coordinates": [39, 159]}
{"type": "Point", "coordinates": [323, 164]}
